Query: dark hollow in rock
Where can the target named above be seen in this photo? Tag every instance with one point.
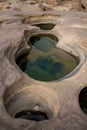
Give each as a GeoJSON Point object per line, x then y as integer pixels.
{"type": "Point", "coordinates": [32, 115]}
{"type": "Point", "coordinates": [30, 103]}
{"type": "Point", "coordinates": [83, 6]}
{"type": "Point", "coordinates": [45, 26]}
{"type": "Point", "coordinates": [83, 100]}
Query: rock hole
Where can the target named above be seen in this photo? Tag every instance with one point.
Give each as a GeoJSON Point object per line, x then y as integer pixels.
{"type": "Point", "coordinates": [28, 103]}
{"type": "Point", "coordinates": [32, 115]}
{"type": "Point", "coordinates": [83, 100]}
{"type": "Point", "coordinates": [45, 26]}
{"type": "Point", "coordinates": [83, 6]}
{"type": "Point", "coordinates": [45, 62]}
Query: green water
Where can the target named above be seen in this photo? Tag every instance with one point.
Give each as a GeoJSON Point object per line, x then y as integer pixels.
{"type": "Point", "coordinates": [45, 62]}
{"type": "Point", "coordinates": [45, 26]}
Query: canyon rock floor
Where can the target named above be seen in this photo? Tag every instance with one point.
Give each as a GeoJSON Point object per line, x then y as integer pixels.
{"type": "Point", "coordinates": [59, 100]}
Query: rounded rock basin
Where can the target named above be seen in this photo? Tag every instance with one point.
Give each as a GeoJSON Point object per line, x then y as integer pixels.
{"type": "Point", "coordinates": [31, 102]}
{"type": "Point", "coordinates": [45, 62]}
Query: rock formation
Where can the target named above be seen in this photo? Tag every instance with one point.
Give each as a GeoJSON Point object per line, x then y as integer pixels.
{"type": "Point", "coordinates": [58, 101]}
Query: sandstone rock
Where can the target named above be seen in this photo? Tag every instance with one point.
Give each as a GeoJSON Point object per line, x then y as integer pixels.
{"type": "Point", "coordinates": [58, 100]}
{"type": "Point", "coordinates": [66, 5]}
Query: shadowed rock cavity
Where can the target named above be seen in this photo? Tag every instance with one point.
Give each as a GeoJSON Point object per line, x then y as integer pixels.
{"type": "Point", "coordinates": [30, 103]}
{"type": "Point", "coordinates": [83, 100]}
{"type": "Point", "coordinates": [32, 115]}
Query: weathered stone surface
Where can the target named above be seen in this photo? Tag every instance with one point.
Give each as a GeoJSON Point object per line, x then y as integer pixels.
{"type": "Point", "coordinates": [62, 96]}
{"type": "Point", "coordinates": [59, 99]}
{"type": "Point", "coordinates": [32, 5]}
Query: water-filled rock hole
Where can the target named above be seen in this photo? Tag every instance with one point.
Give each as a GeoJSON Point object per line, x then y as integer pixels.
{"type": "Point", "coordinates": [83, 100]}
{"type": "Point", "coordinates": [45, 26]}
{"type": "Point", "coordinates": [45, 62]}
{"type": "Point", "coordinates": [32, 115]}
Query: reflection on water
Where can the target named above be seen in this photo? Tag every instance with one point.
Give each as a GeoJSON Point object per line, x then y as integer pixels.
{"type": "Point", "coordinates": [44, 68]}
{"type": "Point", "coordinates": [46, 62]}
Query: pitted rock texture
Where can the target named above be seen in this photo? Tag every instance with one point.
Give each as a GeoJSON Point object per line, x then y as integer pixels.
{"type": "Point", "coordinates": [45, 5]}
{"type": "Point", "coordinates": [15, 27]}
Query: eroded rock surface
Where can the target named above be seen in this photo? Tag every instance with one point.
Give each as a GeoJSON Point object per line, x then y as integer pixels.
{"type": "Point", "coordinates": [58, 99]}
{"type": "Point", "coordinates": [32, 5]}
